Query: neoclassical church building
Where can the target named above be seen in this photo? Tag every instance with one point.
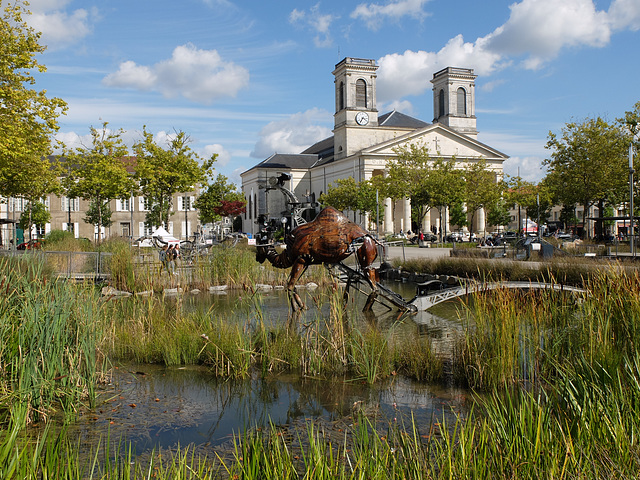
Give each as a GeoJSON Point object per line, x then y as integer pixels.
{"type": "Point", "coordinates": [364, 141]}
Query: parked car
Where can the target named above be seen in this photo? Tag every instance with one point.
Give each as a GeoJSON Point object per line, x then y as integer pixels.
{"type": "Point", "coordinates": [455, 237]}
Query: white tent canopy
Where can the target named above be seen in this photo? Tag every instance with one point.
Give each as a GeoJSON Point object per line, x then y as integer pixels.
{"type": "Point", "coordinates": [164, 237]}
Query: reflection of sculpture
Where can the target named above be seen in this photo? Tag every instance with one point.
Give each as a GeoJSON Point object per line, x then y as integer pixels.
{"type": "Point", "coordinates": [329, 238]}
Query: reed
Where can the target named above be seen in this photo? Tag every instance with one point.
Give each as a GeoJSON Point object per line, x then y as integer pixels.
{"type": "Point", "coordinates": [49, 331]}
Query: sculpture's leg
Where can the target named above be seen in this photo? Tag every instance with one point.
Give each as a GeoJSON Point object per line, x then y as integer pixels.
{"type": "Point", "coordinates": [367, 254]}
{"type": "Point", "coordinates": [371, 299]}
{"type": "Point", "coordinates": [368, 312]}
{"type": "Point", "coordinates": [298, 268]}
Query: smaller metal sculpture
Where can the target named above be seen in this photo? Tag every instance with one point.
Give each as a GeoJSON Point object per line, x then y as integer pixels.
{"type": "Point", "coordinates": [328, 239]}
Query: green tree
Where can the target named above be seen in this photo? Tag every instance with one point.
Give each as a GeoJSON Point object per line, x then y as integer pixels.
{"type": "Point", "coordinates": [347, 194]}
{"type": "Point", "coordinates": [98, 172]}
{"type": "Point", "coordinates": [498, 213]}
{"type": "Point", "coordinates": [36, 214]}
{"type": "Point", "coordinates": [448, 188]}
{"type": "Point", "coordinates": [98, 215]}
{"type": "Point", "coordinates": [588, 164]}
{"type": "Point", "coordinates": [213, 197]}
{"type": "Point", "coordinates": [410, 174]}
{"type": "Point", "coordinates": [27, 116]}
{"type": "Point", "coordinates": [342, 195]}
{"type": "Point", "coordinates": [163, 171]}
{"type": "Point", "coordinates": [482, 188]}
{"type": "Point", "coordinates": [535, 199]}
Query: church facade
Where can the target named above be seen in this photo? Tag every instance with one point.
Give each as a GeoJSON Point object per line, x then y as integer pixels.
{"type": "Point", "coordinates": [364, 141]}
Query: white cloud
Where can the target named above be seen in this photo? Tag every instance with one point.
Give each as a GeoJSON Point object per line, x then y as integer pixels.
{"type": "Point", "coordinates": [199, 75]}
{"type": "Point", "coordinates": [374, 14]}
{"type": "Point", "coordinates": [130, 75]}
{"type": "Point", "coordinates": [404, 106]}
{"type": "Point", "coordinates": [410, 73]}
{"type": "Point", "coordinates": [536, 31]}
{"type": "Point", "coordinates": [60, 28]}
{"type": "Point", "coordinates": [224, 156]}
{"type": "Point", "coordinates": [625, 14]}
{"type": "Point", "coordinates": [529, 168]}
{"type": "Point", "coordinates": [317, 22]}
{"type": "Point", "coordinates": [539, 29]}
{"type": "Point", "coordinates": [293, 134]}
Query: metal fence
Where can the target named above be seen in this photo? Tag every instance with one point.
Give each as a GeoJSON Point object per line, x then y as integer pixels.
{"type": "Point", "coordinates": [73, 265]}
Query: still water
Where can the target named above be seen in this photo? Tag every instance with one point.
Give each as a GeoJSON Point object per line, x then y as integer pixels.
{"type": "Point", "coordinates": [159, 407]}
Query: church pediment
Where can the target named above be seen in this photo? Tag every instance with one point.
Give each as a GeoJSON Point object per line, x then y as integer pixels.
{"type": "Point", "coordinates": [441, 141]}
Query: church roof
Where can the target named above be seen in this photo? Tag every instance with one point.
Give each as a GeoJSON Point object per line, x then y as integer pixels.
{"type": "Point", "coordinates": [288, 161]}
{"type": "Point", "coordinates": [400, 120]}
{"type": "Point", "coordinates": [324, 148]}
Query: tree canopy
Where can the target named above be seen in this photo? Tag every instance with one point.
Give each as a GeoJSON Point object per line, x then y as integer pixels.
{"type": "Point", "coordinates": [588, 164]}
{"type": "Point", "coordinates": [220, 199]}
{"type": "Point", "coordinates": [163, 170]}
{"type": "Point", "coordinates": [97, 172]}
{"type": "Point", "coordinates": [27, 116]}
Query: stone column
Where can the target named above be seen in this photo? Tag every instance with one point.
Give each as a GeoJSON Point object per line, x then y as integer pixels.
{"type": "Point", "coordinates": [481, 223]}
{"type": "Point", "coordinates": [406, 208]}
{"type": "Point", "coordinates": [388, 216]}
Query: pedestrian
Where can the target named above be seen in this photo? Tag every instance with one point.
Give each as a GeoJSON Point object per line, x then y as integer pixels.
{"type": "Point", "coordinates": [171, 264]}
{"type": "Point", "coordinates": [421, 236]}
{"type": "Point", "coordinates": [176, 256]}
{"type": "Point", "coordinates": [163, 258]}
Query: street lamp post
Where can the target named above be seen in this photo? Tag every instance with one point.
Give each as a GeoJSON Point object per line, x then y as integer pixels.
{"type": "Point", "coordinates": [631, 172]}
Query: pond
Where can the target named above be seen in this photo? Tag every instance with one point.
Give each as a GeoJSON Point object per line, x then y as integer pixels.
{"type": "Point", "coordinates": [155, 407]}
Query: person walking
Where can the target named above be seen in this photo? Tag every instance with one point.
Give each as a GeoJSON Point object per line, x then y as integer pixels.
{"type": "Point", "coordinates": [162, 256]}
{"type": "Point", "coordinates": [171, 264]}
{"type": "Point", "coordinates": [176, 256]}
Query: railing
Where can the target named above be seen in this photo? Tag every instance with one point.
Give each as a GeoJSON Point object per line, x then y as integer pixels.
{"type": "Point", "coordinates": [77, 266]}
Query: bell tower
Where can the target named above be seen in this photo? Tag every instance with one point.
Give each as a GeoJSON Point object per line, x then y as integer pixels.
{"type": "Point", "coordinates": [454, 99]}
{"type": "Point", "coordinates": [356, 112]}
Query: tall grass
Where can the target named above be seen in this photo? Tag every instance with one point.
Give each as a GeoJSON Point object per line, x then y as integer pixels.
{"type": "Point", "coordinates": [49, 331]}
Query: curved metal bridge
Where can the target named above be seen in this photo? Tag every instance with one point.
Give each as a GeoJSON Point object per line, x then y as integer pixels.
{"type": "Point", "coordinates": [424, 302]}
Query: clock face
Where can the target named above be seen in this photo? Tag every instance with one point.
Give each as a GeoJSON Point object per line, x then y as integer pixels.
{"type": "Point", "coordinates": [362, 118]}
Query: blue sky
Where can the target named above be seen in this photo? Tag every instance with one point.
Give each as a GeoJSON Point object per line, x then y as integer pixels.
{"type": "Point", "coordinates": [247, 79]}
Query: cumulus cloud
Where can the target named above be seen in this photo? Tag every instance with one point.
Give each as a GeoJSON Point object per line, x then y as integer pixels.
{"type": "Point", "coordinates": [410, 73]}
{"type": "Point", "coordinates": [529, 168]}
{"type": "Point", "coordinates": [535, 33]}
{"type": "Point", "coordinates": [293, 134]}
{"type": "Point", "coordinates": [316, 21]}
{"type": "Point", "coordinates": [199, 75]}
{"type": "Point", "coordinates": [539, 29]}
{"type": "Point", "coordinates": [374, 14]}
{"type": "Point", "coordinates": [60, 28]}
{"type": "Point", "coordinates": [624, 14]}
{"type": "Point", "coordinates": [223, 158]}
{"type": "Point", "coordinates": [130, 75]}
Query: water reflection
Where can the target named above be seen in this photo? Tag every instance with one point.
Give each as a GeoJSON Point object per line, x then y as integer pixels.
{"type": "Point", "coordinates": [159, 407]}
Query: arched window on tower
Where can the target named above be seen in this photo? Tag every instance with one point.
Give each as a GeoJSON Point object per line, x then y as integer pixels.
{"type": "Point", "coordinates": [441, 104]}
{"type": "Point", "coordinates": [361, 93]}
{"type": "Point", "coordinates": [462, 102]}
{"type": "Point", "coordinates": [341, 96]}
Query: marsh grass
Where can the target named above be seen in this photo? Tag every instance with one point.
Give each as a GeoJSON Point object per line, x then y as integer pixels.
{"type": "Point", "coordinates": [48, 341]}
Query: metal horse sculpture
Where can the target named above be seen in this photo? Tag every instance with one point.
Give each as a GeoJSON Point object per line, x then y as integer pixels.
{"type": "Point", "coordinates": [328, 239]}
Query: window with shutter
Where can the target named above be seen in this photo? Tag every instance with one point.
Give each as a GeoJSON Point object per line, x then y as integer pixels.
{"type": "Point", "coordinates": [361, 93]}
{"type": "Point", "coordinates": [462, 102]}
